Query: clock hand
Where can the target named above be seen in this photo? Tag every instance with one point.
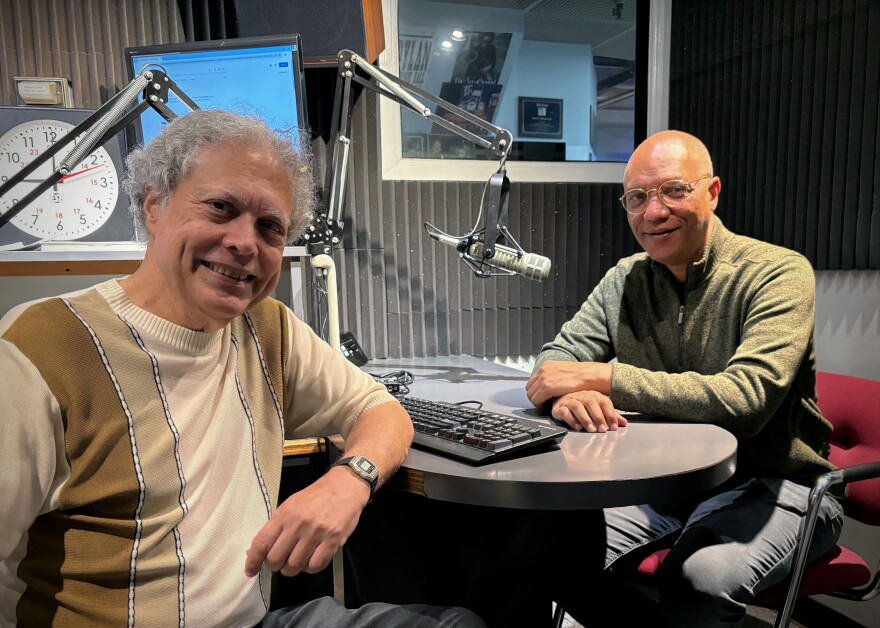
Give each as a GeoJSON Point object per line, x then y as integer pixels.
{"type": "Point", "coordinates": [54, 185]}
{"type": "Point", "coordinates": [79, 172]}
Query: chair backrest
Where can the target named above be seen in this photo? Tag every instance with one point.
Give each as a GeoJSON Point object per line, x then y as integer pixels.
{"type": "Point", "coordinates": [852, 404]}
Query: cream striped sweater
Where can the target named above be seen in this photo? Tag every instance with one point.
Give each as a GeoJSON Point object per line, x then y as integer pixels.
{"type": "Point", "coordinates": [140, 458]}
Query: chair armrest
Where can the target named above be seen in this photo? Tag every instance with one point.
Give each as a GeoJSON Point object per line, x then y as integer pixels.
{"type": "Point", "coordinates": [845, 475]}
{"type": "Point", "coordinates": [859, 472]}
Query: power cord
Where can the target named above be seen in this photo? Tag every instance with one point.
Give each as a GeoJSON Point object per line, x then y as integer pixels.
{"type": "Point", "coordinates": [478, 404]}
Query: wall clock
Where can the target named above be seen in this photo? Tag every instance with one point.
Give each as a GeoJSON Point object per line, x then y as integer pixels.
{"type": "Point", "coordinates": [87, 204]}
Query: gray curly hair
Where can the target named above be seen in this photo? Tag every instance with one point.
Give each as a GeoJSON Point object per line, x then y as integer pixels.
{"type": "Point", "coordinates": [171, 156]}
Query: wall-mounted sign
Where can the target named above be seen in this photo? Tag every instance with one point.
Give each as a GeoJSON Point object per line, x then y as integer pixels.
{"type": "Point", "coordinates": [42, 91]}
{"type": "Point", "coordinates": [540, 117]}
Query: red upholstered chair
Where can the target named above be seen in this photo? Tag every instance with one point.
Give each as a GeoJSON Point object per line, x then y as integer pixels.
{"type": "Point", "coordinates": [853, 407]}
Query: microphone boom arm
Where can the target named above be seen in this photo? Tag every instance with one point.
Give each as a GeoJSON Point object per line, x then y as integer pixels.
{"type": "Point", "coordinates": [326, 231]}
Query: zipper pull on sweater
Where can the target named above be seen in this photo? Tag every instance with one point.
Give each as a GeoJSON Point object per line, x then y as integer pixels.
{"type": "Point", "coordinates": [680, 314]}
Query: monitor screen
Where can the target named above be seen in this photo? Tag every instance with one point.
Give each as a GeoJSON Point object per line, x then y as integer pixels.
{"type": "Point", "coordinates": [258, 76]}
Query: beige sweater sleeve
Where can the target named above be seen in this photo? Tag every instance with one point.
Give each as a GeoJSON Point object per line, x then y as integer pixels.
{"type": "Point", "coordinates": [325, 393]}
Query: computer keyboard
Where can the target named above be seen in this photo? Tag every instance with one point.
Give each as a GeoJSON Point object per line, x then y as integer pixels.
{"type": "Point", "coordinates": [476, 436]}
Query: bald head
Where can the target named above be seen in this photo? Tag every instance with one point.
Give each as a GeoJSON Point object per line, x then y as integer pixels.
{"type": "Point", "coordinates": [673, 230]}
{"type": "Point", "coordinates": [675, 149]}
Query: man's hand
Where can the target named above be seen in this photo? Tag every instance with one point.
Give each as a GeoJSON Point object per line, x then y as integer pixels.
{"type": "Point", "coordinates": [308, 528]}
{"type": "Point", "coordinates": [554, 379]}
{"type": "Point", "coordinates": [587, 410]}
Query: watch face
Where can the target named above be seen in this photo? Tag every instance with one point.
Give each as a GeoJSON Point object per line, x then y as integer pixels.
{"type": "Point", "coordinates": [365, 465]}
{"type": "Point", "coordinates": [78, 204]}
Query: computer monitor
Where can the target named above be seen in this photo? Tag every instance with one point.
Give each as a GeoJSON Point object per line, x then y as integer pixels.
{"type": "Point", "coordinates": [258, 76]}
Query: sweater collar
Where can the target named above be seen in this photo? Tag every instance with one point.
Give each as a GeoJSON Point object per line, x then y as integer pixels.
{"type": "Point", "coordinates": [166, 332]}
{"type": "Point", "coordinates": [699, 271]}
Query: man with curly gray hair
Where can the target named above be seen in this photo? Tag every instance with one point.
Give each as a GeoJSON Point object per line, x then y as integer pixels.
{"type": "Point", "coordinates": [147, 415]}
{"type": "Point", "coordinates": [160, 166]}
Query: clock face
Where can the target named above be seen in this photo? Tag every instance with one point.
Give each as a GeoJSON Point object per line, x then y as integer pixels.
{"type": "Point", "coordinates": [78, 204]}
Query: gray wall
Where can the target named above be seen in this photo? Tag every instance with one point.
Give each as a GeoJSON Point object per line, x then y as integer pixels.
{"type": "Point", "coordinates": [82, 40]}
{"type": "Point", "coordinates": [848, 342]}
{"type": "Point", "coordinates": [404, 295]}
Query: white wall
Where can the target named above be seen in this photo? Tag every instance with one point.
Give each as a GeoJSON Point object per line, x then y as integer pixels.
{"type": "Point", "coordinates": [548, 70]}
{"type": "Point", "coordinates": [848, 322]}
{"type": "Point", "coordinates": [848, 343]}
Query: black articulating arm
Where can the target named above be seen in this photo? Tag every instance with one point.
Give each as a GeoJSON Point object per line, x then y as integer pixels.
{"type": "Point", "coordinates": [326, 231]}
{"type": "Point", "coordinates": [96, 130]}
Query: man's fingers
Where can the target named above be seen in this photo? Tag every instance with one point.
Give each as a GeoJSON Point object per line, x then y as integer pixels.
{"type": "Point", "coordinates": [260, 547]}
{"type": "Point", "coordinates": [588, 410]}
{"type": "Point", "coordinates": [561, 413]}
{"type": "Point", "coordinates": [297, 560]}
{"type": "Point", "coordinates": [609, 413]}
{"type": "Point", "coordinates": [597, 413]}
{"type": "Point", "coordinates": [581, 415]}
{"type": "Point", "coordinates": [289, 542]}
{"type": "Point", "coordinates": [536, 392]}
{"type": "Point", "coordinates": [321, 557]}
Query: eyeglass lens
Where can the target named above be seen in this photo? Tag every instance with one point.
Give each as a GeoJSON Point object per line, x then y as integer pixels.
{"type": "Point", "coordinates": [671, 193]}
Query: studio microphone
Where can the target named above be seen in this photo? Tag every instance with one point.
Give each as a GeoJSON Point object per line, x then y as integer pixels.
{"type": "Point", "coordinates": [530, 265]}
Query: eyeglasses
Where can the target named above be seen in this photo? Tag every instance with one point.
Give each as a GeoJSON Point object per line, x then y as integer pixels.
{"type": "Point", "coordinates": [672, 194]}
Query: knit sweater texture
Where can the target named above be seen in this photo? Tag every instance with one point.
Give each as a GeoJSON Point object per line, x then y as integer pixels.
{"type": "Point", "coordinates": [736, 351]}
{"type": "Point", "coordinates": [141, 457]}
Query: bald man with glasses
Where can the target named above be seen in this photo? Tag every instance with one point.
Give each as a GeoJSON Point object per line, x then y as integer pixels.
{"type": "Point", "coordinates": [705, 326]}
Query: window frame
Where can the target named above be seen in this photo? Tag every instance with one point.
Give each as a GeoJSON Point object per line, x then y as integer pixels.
{"type": "Point", "coordinates": [395, 167]}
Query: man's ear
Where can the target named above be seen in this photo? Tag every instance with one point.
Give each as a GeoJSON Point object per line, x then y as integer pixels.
{"type": "Point", "coordinates": [714, 192]}
{"type": "Point", "coordinates": [152, 208]}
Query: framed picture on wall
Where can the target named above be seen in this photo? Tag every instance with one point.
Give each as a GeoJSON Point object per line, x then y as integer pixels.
{"type": "Point", "coordinates": [539, 117]}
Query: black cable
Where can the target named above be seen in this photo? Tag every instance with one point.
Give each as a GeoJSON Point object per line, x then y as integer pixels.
{"type": "Point", "coordinates": [397, 382]}
{"type": "Point", "coordinates": [394, 377]}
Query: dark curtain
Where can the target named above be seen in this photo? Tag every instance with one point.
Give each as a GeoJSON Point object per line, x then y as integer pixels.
{"type": "Point", "coordinates": [785, 94]}
{"type": "Point", "coordinates": [208, 19]}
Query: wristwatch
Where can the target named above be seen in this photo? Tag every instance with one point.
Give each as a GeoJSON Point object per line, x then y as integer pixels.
{"type": "Point", "coordinates": [364, 467]}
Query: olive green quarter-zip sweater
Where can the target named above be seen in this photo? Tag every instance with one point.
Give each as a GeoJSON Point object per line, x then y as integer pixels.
{"type": "Point", "coordinates": [736, 350]}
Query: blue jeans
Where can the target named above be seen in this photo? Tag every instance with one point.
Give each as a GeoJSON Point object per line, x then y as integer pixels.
{"type": "Point", "coordinates": [729, 548]}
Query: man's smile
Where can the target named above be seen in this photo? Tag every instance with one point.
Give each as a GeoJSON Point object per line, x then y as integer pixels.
{"type": "Point", "coordinates": [661, 232]}
{"type": "Point", "coordinates": [228, 272]}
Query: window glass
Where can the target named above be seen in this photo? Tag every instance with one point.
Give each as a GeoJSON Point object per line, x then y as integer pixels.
{"type": "Point", "coordinates": [558, 74]}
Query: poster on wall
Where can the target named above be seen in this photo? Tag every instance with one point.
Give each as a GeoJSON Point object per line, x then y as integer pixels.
{"type": "Point", "coordinates": [477, 99]}
{"type": "Point", "coordinates": [473, 83]}
{"type": "Point", "coordinates": [481, 57]}
{"type": "Point", "coordinates": [539, 117]}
